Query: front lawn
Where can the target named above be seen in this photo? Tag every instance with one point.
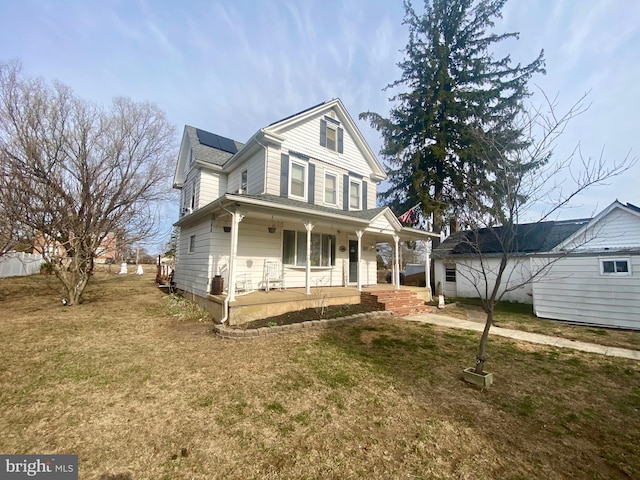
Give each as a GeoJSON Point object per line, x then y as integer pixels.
{"type": "Point", "coordinates": [139, 392]}
{"type": "Point", "coordinates": [520, 316]}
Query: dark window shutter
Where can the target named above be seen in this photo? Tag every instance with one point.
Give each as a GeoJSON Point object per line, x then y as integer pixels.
{"type": "Point", "coordinates": [345, 193]}
{"type": "Point", "coordinates": [339, 140]}
{"type": "Point", "coordinates": [312, 183]}
{"type": "Point", "coordinates": [284, 175]}
{"type": "Point", "coordinates": [364, 195]}
{"type": "Point", "coordinates": [323, 133]}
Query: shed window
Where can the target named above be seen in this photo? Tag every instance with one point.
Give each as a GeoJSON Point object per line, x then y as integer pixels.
{"type": "Point", "coordinates": [615, 266]}
{"type": "Point", "coordinates": [450, 274]}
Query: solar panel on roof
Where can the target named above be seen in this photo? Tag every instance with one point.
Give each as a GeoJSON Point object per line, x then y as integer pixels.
{"type": "Point", "coordinates": [216, 141]}
{"type": "Point", "coordinates": [227, 145]}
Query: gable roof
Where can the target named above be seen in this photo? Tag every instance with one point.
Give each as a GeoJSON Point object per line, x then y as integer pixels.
{"type": "Point", "coordinates": [211, 148]}
{"type": "Point", "coordinates": [347, 122]}
{"type": "Point", "coordinates": [525, 238]}
{"type": "Point", "coordinates": [218, 151]}
{"type": "Point", "coordinates": [615, 205]}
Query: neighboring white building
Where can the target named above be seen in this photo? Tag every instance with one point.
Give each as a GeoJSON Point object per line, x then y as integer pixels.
{"type": "Point", "coordinates": [300, 193]}
{"type": "Point", "coordinates": [459, 271]}
{"type": "Point", "coordinates": [598, 282]}
{"type": "Point", "coordinates": [590, 268]}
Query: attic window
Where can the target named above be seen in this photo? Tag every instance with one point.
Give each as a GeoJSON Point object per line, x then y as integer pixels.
{"type": "Point", "coordinates": [615, 266]}
{"type": "Point", "coordinates": [331, 134]}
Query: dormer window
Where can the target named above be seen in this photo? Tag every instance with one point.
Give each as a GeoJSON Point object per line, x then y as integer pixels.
{"type": "Point", "coordinates": [331, 134]}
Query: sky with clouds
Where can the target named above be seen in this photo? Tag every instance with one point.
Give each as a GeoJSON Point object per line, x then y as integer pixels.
{"type": "Point", "coordinates": [232, 67]}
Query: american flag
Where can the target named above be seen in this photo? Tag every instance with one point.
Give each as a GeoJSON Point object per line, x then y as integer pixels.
{"type": "Point", "coordinates": [411, 215]}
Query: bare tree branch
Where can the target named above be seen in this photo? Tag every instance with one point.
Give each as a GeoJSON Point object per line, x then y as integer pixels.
{"type": "Point", "coordinates": [78, 172]}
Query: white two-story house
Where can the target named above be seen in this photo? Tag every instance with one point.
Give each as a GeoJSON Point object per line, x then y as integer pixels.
{"type": "Point", "coordinates": [296, 204]}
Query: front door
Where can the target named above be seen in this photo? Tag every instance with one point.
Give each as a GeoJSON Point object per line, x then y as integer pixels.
{"type": "Point", "coordinates": [353, 261]}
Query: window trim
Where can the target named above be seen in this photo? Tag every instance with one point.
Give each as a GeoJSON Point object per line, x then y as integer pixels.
{"type": "Point", "coordinates": [447, 271]}
{"type": "Point", "coordinates": [602, 261]}
{"type": "Point", "coordinates": [334, 129]}
{"type": "Point", "coordinates": [244, 181]}
{"type": "Point", "coordinates": [324, 189]}
{"type": "Point", "coordinates": [355, 181]}
{"type": "Point", "coordinates": [192, 244]}
{"type": "Point", "coordinates": [305, 179]}
{"type": "Point", "coordinates": [301, 235]}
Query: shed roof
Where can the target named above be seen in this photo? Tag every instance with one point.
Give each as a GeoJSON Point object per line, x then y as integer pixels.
{"type": "Point", "coordinates": [521, 239]}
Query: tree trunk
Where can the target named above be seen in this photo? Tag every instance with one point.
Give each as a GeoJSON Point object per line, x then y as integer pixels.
{"type": "Point", "coordinates": [482, 349]}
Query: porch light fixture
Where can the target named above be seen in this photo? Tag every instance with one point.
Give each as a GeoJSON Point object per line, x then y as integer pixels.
{"type": "Point", "coordinates": [227, 228]}
{"type": "Point", "coordinates": [272, 228]}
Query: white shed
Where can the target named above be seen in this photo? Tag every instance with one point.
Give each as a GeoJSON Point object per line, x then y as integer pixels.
{"type": "Point", "coordinates": [598, 281]}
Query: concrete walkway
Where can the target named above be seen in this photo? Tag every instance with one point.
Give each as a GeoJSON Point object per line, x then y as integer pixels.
{"type": "Point", "coordinates": [451, 322]}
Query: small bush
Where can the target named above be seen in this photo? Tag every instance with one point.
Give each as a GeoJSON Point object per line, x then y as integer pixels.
{"type": "Point", "coordinates": [184, 309]}
{"type": "Point", "coordinates": [46, 268]}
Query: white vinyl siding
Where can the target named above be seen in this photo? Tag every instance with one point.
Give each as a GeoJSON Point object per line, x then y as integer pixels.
{"type": "Point", "coordinates": [575, 291]}
{"type": "Point", "coordinates": [305, 138]}
{"type": "Point", "coordinates": [619, 229]}
{"type": "Point", "coordinates": [254, 168]}
{"type": "Point", "coordinates": [468, 277]}
{"type": "Point", "coordinates": [192, 269]}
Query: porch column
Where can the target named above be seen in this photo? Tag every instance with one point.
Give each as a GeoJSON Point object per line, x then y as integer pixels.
{"type": "Point", "coordinates": [359, 235]}
{"type": "Point", "coordinates": [427, 266]}
{"type": "Point", "coordinates": [396, 272]}
{"type": "Point", "coordinates": [307, 281]}
{"type": "Point", "coordinates": [236, 218]}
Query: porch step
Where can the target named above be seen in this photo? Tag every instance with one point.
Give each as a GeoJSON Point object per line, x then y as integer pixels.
{"type": "Point", "coordinates": [398, 302]}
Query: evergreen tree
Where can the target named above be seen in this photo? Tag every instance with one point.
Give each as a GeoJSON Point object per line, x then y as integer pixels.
{"type": "Point", "coordinates": [457, 98]}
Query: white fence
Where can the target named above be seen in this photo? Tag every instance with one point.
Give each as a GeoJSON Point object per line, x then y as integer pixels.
{"type": "Point", "coordinates": [16, 264]}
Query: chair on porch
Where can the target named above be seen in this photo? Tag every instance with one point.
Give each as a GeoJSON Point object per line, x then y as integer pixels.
{"type": "Point", "coordinates": [273, 275]}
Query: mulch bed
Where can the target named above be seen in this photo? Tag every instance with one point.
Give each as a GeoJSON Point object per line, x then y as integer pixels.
{"type": "Point", "coordinates": [332, 311]}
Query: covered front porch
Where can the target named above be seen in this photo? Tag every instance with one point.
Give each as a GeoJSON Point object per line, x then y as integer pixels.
{"type": "Point", "coordinates": [261, 304]}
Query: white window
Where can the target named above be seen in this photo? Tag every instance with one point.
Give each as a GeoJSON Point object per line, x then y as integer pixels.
{"type": "Point", "coordinates": [243, 181]}
{"type": "Point", "coordinates": [192, 243]}
{"type": "Point", "coordinates": [354, 195]}
{"type": "Point", "coordinates": [298, 180]}
{"type": "Point", "coordinates": [615, 266]}
{"type": "Point", "coordinates": [294, 249]}
{"type": "Point", "coordinates": [332, 138]}
{"type": "Point", "coordinates": [330, 189]}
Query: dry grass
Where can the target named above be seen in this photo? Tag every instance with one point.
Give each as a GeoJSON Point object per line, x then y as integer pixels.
{"type": "Point", "coordinates": [138, 393]}
{"type": "Point", "coordinates": [520, 317]}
